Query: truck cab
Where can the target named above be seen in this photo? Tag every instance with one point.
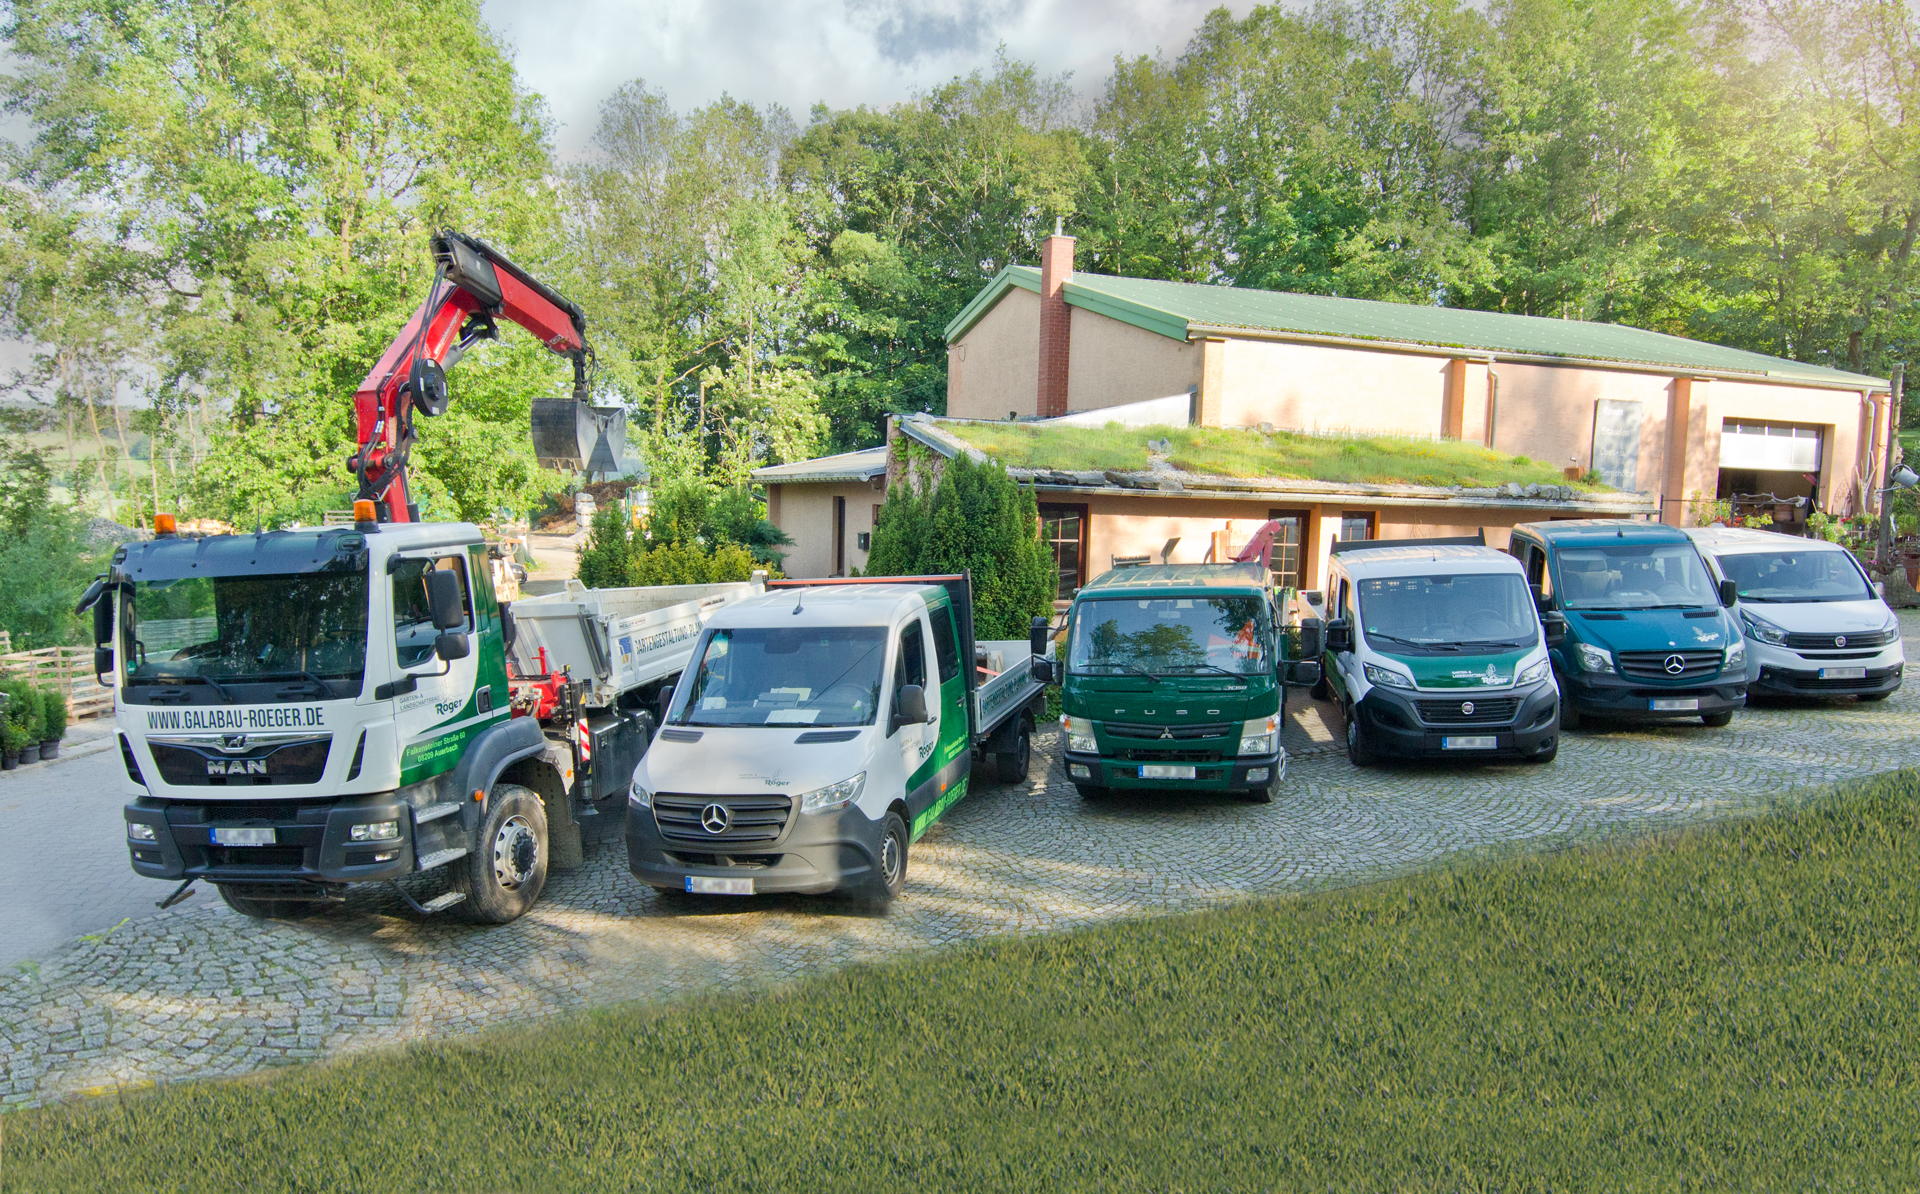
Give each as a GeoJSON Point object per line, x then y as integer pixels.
{"type": "Point", "coordinates": [1649, 635]}
{"type": "Point", "coordinates": [1172, 677]}
{"type": "Point", "coordinates": [1435, 649]}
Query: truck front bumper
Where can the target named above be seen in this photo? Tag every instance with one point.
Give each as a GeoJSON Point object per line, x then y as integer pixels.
{"type": "Point", "coordinates": [311, 846]}
{"type": "Point", "coordinates": [814, 854]}
{"type": "Point", "coordinates": [1609, 696]}
{"type": "Point", "coordinates": [1399, 727]}
{"type": "Point", "coordinates": [1222, 775]}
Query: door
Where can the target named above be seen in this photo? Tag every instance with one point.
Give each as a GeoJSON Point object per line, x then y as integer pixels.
{"type": "Point", "coordinates": [1285, 563]}
{"type": "Point", "coordinates": [953, 755]}
{"type": "Point", "coordinates": [839, 536]}
{"type": "Point", "coordinates": [1346, 664]}
{"type": "Point", "coordinates": [434, 722]}
{"type": "Point", "coordinates": [916, 742]}
{"type": "Point", "coordinates": [1064, 530]}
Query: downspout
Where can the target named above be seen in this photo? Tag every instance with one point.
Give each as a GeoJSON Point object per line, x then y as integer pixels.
{"type": "Point", "coordinates": [1493, 398]}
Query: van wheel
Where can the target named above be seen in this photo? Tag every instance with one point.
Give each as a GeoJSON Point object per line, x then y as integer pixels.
{"type": "Point", "coordinates": [504, 872]}
{"type": "Point", "coordinates": [1569, 716]}
{"type": "Point", "coordinates": [259, 909]}
{"type": "Point", "coordinates": [1875, 696]}
{"type": "Point", "coordinates": [1010, 766]}
{"type": "Point", "coordinates": [1321, 690]}
{"type": "Point", "coordinates": [1716, 720]}
{"type": "Point", "coordinates": [890, 867]}
{"type": "Point", "coordinates": [1360, 751]}
{"type": "Point", "coordinates": [1547, 755]}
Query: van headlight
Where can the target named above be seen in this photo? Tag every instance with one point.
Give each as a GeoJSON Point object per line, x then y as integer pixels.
{"type": "Point", "coordinates": [1736, 657]}
{"type": "Point", "coordinates": [834, 796]}
{"type": "Point", "coordinates": [1258, 737]}
{"type": "Point", "coordinates": [639, 797]}
{"type": "Point", "coordinates": [1594, 659]}
{"type": "Point", "coordinates": [1080, 735]}
{"type": "Point", "coordinates": [1387, 677]}
{"type": "Point", "coordinates": [1533, 674]}
{"type": "Point", "coordinates": [1762, 629]}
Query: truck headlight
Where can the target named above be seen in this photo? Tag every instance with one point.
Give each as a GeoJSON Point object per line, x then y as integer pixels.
{"type": "Point", "coordinates": [834, 796]}
{"type": "Point", "coordinates": [139, 831]}
{"type": "Point", "coordinates": [1736, 657]}
{"type": "Point", "coordinates": [638, 796]}
{"type": "Point", "coordinates": [1534, 674]}
{"type": "Point", "coordinates": [1762, 629]}
{"type": "Point", "coordinates": [1080, 735]}
{"type": "Point", "coordinates": [1387, 677]}
{"type": "Point", "coordinates": [374, 831]}
{"type": "Point", "coordinates": [1594, 659]}
{"type": "Point", "coordinates": [1258, 737]}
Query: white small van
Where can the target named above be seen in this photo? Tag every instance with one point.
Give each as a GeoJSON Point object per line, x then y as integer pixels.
{"type": "Point", "coordinates": [1814, 625]}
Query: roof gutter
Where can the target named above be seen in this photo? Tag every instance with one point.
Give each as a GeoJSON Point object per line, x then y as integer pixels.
{"type": "Point", "coordinates": [1199, 331]}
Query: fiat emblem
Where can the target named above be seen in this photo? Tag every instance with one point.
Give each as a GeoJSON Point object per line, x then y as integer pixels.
{"type": "Point", "coordinates": [713, 818]}
{"type": "Point", "coordinates": [1676, 664]}
{"type": "Point", "coordinates": [1466, 707]}
{"type": "Point", "coordinates": [1840, 640]}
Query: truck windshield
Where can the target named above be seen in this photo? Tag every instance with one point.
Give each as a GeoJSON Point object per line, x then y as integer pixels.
{"type": "Point", "coordinates": [1489, 610]}
{"type": "Point", "coordinates": [817, 676]}
{"type": "Point", "coordinates": [1794, 576]}
{"type": "Point", "coordinates": [306, 628]}
{"type": "Point", "coordinates": [1634, 576]}
{"type": "Point", "coordinates": [1161, 635]}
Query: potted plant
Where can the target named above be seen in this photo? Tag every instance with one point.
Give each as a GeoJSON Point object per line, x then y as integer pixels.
{"type": "Point", "coordinates": [33, 721]}
{"type": "Point", "coordinates": [11, 738]}
{"type": "Point", "coordinates": [54, 710]}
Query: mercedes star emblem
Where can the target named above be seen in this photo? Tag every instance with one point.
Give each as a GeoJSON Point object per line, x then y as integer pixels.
{"type": "Point", "coordinates": [713, 818]}
{"type": "Point", "coordinates": [1466, 707]}
{"type": "Point", "coordinates": [1840, 640]}
{"type": "Point", "coordinates": [1676, 664]}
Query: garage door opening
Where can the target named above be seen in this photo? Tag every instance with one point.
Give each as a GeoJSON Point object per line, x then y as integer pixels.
{"type": "Point", "coordinates": [1771, 468]}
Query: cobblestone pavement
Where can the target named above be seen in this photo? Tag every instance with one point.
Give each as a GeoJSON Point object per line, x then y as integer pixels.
{"type": "Point", "coordinates": [198, 991]}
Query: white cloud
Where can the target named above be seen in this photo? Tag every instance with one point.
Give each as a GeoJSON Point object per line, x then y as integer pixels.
{"type": "Point", "coordinates": [840, 52]}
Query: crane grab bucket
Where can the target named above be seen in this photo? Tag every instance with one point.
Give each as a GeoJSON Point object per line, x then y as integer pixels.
{"type": "Point", "coordinates": [573, 435]}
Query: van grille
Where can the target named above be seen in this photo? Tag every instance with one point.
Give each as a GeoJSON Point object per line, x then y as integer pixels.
{"type": "Point", "coordinates": [1827, 642]}
{"type": "Point", "coordinates": [749, 819]}
{"type": "Point", "coordinates": [1653, 665]}
{"type": "Point", "coordinates": [1469, 712]}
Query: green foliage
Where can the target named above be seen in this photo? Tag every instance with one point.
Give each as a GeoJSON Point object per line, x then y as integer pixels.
{"type": "Point", "coordinates": [1510, 1025]}
{"type": "Point", "coordinates": [54, 710]}
{"type": "Point", "coordinates": [25, 714]}
{"type": "Point", "coordinates": [606, 555]}
{"type": "Point", "coordinates": [687, 546]}
{"type": "Point", "coordinates": [47, 568]}
{"type": "Point", "coordinates": [690, 564]}
{"type": "Point", "coordinates": [974, 519]}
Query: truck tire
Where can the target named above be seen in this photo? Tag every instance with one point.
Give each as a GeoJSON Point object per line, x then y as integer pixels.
{"type": "Point", "coordinates": [504, 872]}
{"type": "Point", "coordinates": [260, 909]}
{"type": "Point", "coordinates": [1360, 750]}
{"type": "Point", "coordinates": [1716, 720]}
{"type": "Point", "coordinates": [1093, 792]}
{"type": "Point", "coordinates": [1260, 795]}
{"type": "Point", "coordinates": [1010, 766]}
{"type": "Point", "coordinates": [890, 867]}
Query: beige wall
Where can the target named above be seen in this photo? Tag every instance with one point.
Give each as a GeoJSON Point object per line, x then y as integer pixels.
{"type": "Point", "coordinates": [1110, 363]}
{"type": "Point", "coordinates": [805, 512]}
{"type": "Point", "coordinates": [1314, 387]}
{"type": "Point", "coordinates": [995, 367]}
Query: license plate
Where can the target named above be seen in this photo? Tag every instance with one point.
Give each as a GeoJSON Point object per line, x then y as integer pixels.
{"type": "Point", "coordinates": [1479, 742]}
{"type": "Point", "coordinates": [700, 885]}
{"type": "Point", "coordinates": [1843, 673]}
{"type": "Point", "coordinates": [242, 837]}
{"type": "Point", "coordinates": [1164, 771]}
{"type": "Point", "coordinates": [1675, 704]}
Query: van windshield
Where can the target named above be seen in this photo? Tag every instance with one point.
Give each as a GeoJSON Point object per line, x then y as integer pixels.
{"type": "Point", "coordinates": [1489, 611]}
{"type": "Point", "coordinates": [1115, 635]}
{"type": "Point", "coordinates": [1634, 576]}
{"type": "Point", "coordinates": [814, 676]}
{"type": "Point", "coordinates": [1795, 576]}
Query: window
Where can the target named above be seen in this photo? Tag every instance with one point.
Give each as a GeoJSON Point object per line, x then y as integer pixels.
{"type": "Point", "coordinates": [839, 536]}
{"type": "Point", "coordinates": [1356, 526]}
{"type": "Point", "coordinates": [946, 649]}
{"type": "Point", "coordinates": [910, 664]}
{"type": "Point", "coordinates": [771, 676]}
{"type": "Point", "coordinates": [1285, 563]}
{"type": "Point", "coordinates": [413, 630]}
{"type": "Point", "coordinates": [1064, 530]}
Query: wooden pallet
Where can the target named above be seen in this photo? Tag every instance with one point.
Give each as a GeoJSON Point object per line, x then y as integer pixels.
{"type": "Point", "coordinates": [70, 668]}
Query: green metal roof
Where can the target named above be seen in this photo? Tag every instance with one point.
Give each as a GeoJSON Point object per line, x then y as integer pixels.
{"type": "Point", "coordinates": [1186, 310]}
{"type": "Point", "coordinates": [1176, 576]}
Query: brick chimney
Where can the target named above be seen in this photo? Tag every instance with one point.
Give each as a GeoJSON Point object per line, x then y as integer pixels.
{"type": "Point", "coordinates": [1056, 269]}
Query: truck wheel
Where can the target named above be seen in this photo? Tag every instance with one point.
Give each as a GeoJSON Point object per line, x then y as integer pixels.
{"type": "Point", "coordinates": [1360, 750]}
{"type": "Point", "coordinates": [506, 869]}
{"type": "Point", "coordinates": [1093, 792]}
{"type": "Point", "coordinates": [260, 909]}
{"type": "Point", "coordinates": [890, 870]}
{"type": "Point", "coordinates": [1010, 766]}
{"type": "Point", "coordinates": [1716, 720]}
{"type": "Point", "coordinates": [1875, 696]}
{"type": "Point", "coordinates": [1260, 795]}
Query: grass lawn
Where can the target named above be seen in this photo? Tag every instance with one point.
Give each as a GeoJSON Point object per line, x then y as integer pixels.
{"type": "Point", "coordinates": [1239, 452]}
{"type": "Point", "coordinates": [1735, 1008]}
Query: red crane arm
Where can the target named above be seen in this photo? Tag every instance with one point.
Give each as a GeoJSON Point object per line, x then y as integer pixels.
{"type": "Point", "coordinates": [474, 284]}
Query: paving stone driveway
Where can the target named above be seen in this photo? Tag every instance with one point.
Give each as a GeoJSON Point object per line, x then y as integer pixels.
{"type": "Point", "coordinates": [199, 991]}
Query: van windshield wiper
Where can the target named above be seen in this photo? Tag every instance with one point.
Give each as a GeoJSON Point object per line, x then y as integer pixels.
{"type": "Point", "coordinates": [309, 677]}
{"type": "Point", "coordinates": [1498, 642]}
{"type": "Point", "coordinates": [1413, 642]}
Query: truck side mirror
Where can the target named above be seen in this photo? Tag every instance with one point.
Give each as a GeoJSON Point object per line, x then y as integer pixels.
{"type": "Point", "coordinates": [102, 662]}
{"type": "Point", "coordinates": [1554, 628]}
{"type": "Point", "coordinates": [1038, 636]}
{"type": "Point", "coordinates": [443, 600]}
{"type": "Point", "coordinates": [1313, 638]}
{"type": "Point", "coordinates": [1303, 673]}
{"type": "Point", "coordinates": [103, 622]}
{"type": "Point", "coordinates": [1539, 596]}
{"type": "Point", "coordinates": [450, 645]}
{"type": "Point", "coordinates": [1042, 671]}
{"type": "Point", "coordinates": [909, 707]}
{"type": "Point", "coordinates": [1729, 592]}
{"type": "Point", "coordinates": [1340, 635]}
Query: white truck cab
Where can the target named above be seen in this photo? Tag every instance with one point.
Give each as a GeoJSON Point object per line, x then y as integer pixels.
{"type": "Point", "coordinates": [1814, 625]}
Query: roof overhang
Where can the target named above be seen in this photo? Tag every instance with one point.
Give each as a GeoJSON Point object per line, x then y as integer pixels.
{"type": "Point", "coordinates": [864, 465]}
{"type": "Point", "coordinates": [1024, 276]}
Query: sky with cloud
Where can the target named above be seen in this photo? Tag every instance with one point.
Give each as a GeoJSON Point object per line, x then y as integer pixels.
{"type": "Point", "coordinates": [801, 52]}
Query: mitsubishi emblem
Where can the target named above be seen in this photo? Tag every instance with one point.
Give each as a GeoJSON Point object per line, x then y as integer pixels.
{"type": "Point", "coordinates": [714, 818]}
{"type": "Point", "coordinates": [1166, 731]}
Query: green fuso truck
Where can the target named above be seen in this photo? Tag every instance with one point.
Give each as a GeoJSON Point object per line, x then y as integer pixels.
{"type": "Point", "coordinates": [1174, 677]}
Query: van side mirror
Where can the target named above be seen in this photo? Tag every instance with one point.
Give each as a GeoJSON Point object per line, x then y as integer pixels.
{"type": "Point", "coordinates": [1540, 601]}
{"type": "Point", "coordinates": [1037, 636]}
{"type": "Point", "coordinates": [1553, 627]}
{"type": "Point", "coordinates": [1729, 592]}
{"type": "Point", "coordinates": [450, 645]}
{"type": "Point", "coordinates": [443, 600]}
{"type": "Point", "coordinates": [1340, 635]}
{"type": "Point", "coordinates": [1313, 638]}
{"type": "Point", "coordinates": [909, 707]}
